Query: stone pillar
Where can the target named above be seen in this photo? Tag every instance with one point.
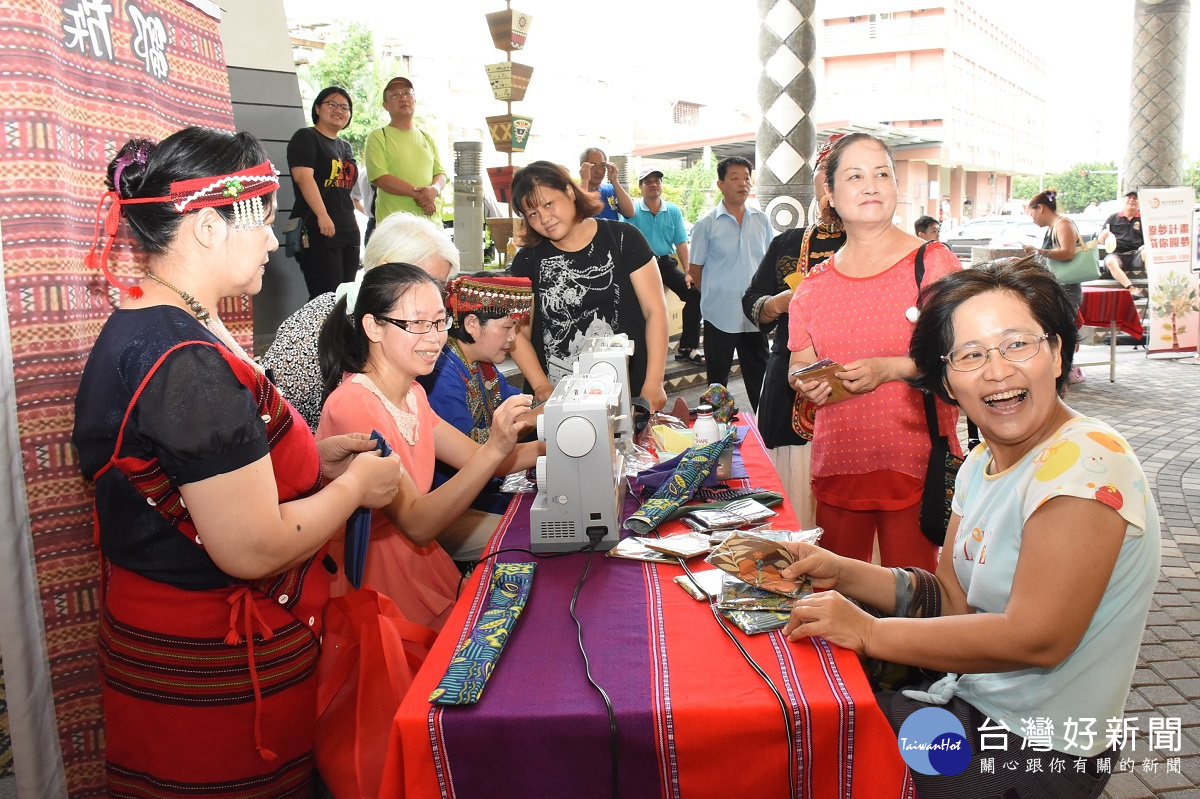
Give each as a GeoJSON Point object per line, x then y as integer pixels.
{"type": "Point", "coordinates": [468, 205]}
{"type": "Point", "coordinates": [787, 137]}
{"type": "Point", "coordinates": [1158, 92]}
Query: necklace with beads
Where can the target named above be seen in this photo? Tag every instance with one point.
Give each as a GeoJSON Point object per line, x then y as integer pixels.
{"type": "Point", "coordinates": [210, 321]}
{"type": "Point", "coordinates": [192, 303]}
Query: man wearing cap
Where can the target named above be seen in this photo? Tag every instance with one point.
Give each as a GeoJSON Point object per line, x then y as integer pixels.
{"type": "Point", "coordinates": [465, 388]}
{"type": "Point", "coordinates": [661, 222]}
{"type": "Point", "coordinates": [402, 160]}
{"type": "Point", "coordinates": [594, 167]}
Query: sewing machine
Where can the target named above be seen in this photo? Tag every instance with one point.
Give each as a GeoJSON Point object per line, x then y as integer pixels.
{"type": "Point", "coordinates": [608, 356]}
{"type": "Point", "coordinates": [581, 478]}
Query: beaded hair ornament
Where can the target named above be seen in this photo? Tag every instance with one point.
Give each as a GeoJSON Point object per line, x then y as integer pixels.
{"type": "Point", "coordinates": [825, 147]}
{"type": "Point", "coordinates": [243, 190]}
{"type": "Point", "coordinates": [510, 296]}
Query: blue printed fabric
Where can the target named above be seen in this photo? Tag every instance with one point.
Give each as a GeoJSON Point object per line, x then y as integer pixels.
{"type": "Point", "coordinates": [472, 665]}
{"type": "Point", "coordinates": [694, 466]}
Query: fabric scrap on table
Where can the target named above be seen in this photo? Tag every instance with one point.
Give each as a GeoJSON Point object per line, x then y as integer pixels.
{"type": "Point", "coordinates": [472, 665]}
{"type": "Point", "coordinates": [694, 466]}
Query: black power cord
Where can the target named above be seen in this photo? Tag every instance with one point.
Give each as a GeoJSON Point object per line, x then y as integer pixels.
{"type": "Point", "coordinates": [590, 549]}
{"type": "Point", "coordinates": [587, 668]}
{"type": "Point", "coordinates": [788, 722]}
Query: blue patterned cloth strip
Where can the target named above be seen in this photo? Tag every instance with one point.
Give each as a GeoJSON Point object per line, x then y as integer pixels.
{"type": "Point", "coordinates": [472, 665]}
{"type": "Point", "coordinates": [694, 466]}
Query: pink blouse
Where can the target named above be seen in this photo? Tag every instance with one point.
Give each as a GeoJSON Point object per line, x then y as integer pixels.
{"type": "Point", "coordinates": [422, 581]}
{"type": "Point", "coordinates": [847, 318]}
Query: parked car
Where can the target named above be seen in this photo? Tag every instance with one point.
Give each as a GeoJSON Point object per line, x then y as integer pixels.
{"type": "Point", "coordinates": [1089, 226]}
{"type": "Point", "coordinates": [993, 232]}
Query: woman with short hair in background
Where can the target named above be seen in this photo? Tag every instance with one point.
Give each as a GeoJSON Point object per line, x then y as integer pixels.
{"type": "Point", "coordinates": [1062, 238]}
{"type": "Point", "coordinates": [591, 277]}
{"type": "Point", "coordinates": [324, 172]}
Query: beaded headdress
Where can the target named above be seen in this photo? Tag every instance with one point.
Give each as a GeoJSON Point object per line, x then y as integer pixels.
{"type": "Point", "coordinates": [243, 190]}
{"type": "Point", "coordinates": [510, 296]}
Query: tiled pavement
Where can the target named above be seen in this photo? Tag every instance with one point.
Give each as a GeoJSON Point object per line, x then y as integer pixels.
{"type": "Point", "coordinates": [1155, 405]}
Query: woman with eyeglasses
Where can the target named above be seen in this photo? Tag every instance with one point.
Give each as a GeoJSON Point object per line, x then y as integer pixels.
{"type": "Point", "coordinates": [324, 173]}
{"type": "Point", "coordinates": [1037, 606]}
{"type": "Point", "coordinates": [381, 340]}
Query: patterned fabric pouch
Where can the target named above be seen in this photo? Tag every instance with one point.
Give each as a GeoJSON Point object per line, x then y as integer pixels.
{"type": "Point", "coordinates": [694, 466]}
{"type": "Point", "coordinates": [722, 402]}
{"type": "Point", "coordinates": [804, 417]}
{"type": "Point", "coordinates": [472, 665]}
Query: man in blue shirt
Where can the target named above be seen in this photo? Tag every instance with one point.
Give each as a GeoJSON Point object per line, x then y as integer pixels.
{"type": "Point", "coordinates": [593, 168]}
{"type": "Point", "coordinates": [661, 222]}
{"type": "Point", "coordinates": [727, 245]}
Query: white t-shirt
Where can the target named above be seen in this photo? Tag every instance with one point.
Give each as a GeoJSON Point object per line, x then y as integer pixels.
{"type": "Point", "coordinates": [1087, 459]}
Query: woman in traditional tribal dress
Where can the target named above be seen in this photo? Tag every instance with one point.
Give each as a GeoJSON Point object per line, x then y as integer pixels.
{"type": "Point", "coordinates": [213, 501]}
{"type": "Point", "coordinates": [465, 388]}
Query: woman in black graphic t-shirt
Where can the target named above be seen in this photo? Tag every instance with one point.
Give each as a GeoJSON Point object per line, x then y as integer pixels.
{"type": "Point", "coordinates": [324, 171]}
{"type": "Point", "coordinates": [590, 277]}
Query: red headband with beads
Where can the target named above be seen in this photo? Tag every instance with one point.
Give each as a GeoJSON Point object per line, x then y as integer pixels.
{"type": "Point", "coordinates": [186, 195]}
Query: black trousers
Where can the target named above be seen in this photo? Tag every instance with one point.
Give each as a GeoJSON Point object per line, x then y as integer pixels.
{"type": "Point", "coordinates": [751, 349]}
{"type": "Point", "coordinates": [674, 279]}
{"type": "Point", "coordinates": [325, 266]}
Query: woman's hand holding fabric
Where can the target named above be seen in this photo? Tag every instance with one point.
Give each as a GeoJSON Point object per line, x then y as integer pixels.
{"type": "Point", "coordinates": [336, 452]}
{"type": "Point", "coordinates": [819, 564]}
{"type": "Point", "coordinates": [378, 477]}
{"type": "Point", "coordinates": [831, 616]}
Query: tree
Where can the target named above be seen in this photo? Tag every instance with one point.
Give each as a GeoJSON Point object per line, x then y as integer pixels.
{"type": "Point", "coordinates": [1191, 175]}
{"type": "Point", "coordinates": [349, 61]}
{"type": "Point", "coordinates": [1025, 186]}
{"type": "Point", "coordinates": [1077, 186]}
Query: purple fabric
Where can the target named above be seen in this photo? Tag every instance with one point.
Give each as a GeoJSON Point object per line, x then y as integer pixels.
{"type": "Point", "coordinates": [649, 480]}
{"type": "Point", "coordinates": [542, 675]}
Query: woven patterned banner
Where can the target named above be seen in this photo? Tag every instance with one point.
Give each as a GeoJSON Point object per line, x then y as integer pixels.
{"type": "Point", "coordinates": [79, 78]}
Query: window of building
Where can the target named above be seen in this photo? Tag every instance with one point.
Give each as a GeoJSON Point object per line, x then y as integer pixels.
{"type": "Point", "coordinates": [687, 113]}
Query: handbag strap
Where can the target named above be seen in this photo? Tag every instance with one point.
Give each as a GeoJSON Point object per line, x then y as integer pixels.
{"type": "Point", "coordinates": [931, 422]}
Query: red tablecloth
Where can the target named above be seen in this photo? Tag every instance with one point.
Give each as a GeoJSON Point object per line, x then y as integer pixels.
{"type": "Point", "coordinates": [1102, 306]}
{"type": "Point", "coordinates": [694, 720]}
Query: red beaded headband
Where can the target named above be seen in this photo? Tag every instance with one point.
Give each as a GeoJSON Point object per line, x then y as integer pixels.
{"type": "Point", "coordinates": [512, 296]}
{"type": "Point", "coordinates": [185, 195]}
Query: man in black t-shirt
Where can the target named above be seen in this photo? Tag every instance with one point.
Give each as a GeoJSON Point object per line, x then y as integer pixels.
{"type": "Point", "coordinates": [1126, 227]}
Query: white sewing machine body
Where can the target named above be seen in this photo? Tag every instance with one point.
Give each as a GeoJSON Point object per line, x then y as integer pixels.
{"type": "Point", "coordinates": [580, 479]}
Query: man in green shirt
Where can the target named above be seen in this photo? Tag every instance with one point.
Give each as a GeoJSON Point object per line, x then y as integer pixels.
{"type": "Point", "coordinates": [402, 160]}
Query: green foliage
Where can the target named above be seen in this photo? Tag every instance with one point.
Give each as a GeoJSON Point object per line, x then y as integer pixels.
{"type": "Point", "coordinates": [692, 189]}
{"type": "Point", "coordinates": [1078, 186]}
{"type": "Point", "coordinates": [1025, 186]}
{"type": "Point", "coordinates": [1191, 175]}
{"type": "Point", "coordinates": [349, 61]}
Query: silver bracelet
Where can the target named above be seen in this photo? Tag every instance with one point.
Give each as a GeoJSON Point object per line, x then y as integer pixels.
{"type": "Point", "coordinates": [904, 591]}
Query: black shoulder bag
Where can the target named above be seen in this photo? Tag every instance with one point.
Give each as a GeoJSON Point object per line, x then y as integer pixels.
{"type": "Point", "coordinates": [943, 466]}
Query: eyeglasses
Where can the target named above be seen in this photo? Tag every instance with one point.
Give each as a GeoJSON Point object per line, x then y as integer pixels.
{"type": "Point", "coordinates": [419, 327]}
{"type": "Point", "coordinates": [338, 106]}
{"type": "Point", "coordinates": [402, 93]}
{"type": "Point", "coordinates": [1015, 349]}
